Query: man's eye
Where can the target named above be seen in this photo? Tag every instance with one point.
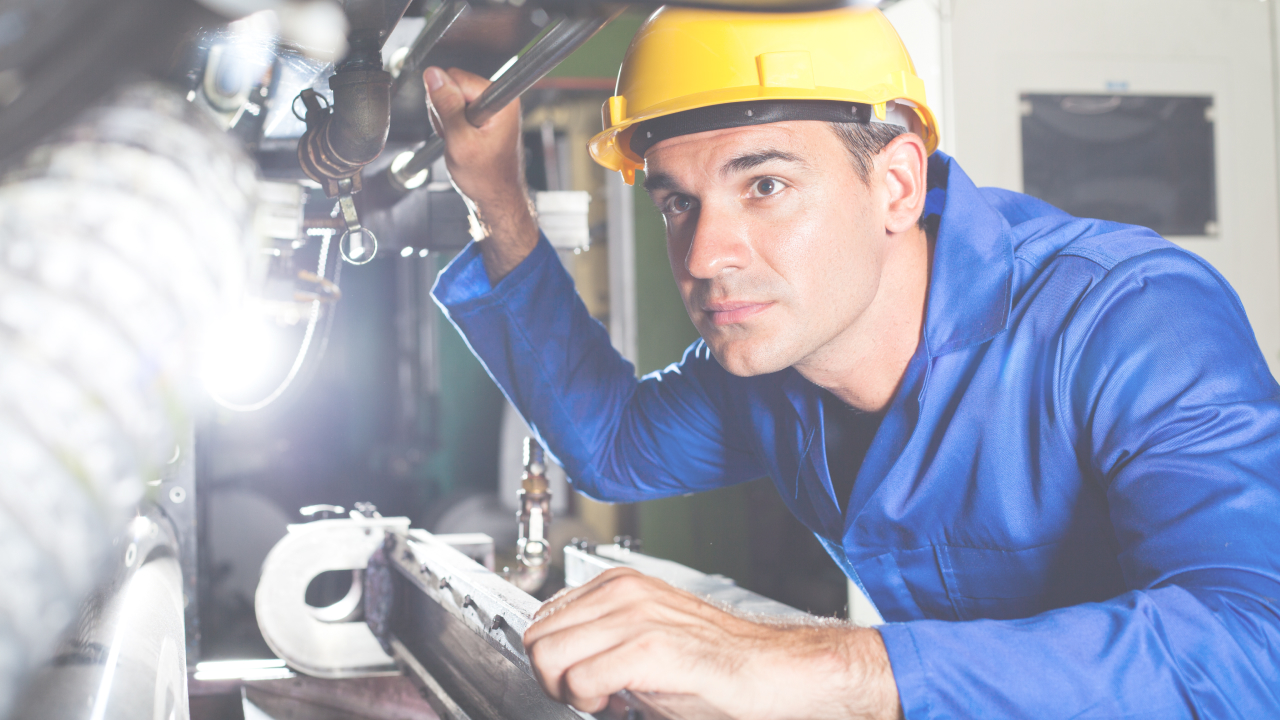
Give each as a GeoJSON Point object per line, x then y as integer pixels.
{"type": "Point", "coordinates": [679, 204]}
{"type": "Point", "coordinates": [765, 187]}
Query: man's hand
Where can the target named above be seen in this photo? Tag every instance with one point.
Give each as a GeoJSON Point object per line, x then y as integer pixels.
{"type": "Point", "coordinates": [486, 166]}
{"type": "Point", "coordinates": [624, 630]}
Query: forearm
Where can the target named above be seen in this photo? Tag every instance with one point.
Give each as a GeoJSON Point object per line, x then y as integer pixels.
{"type": "Point", "coordinates": [509, 232]}
{"type": "Point", "coordinates": [486, 165]}
{"type": "Point", "coordinates": [829, 673]}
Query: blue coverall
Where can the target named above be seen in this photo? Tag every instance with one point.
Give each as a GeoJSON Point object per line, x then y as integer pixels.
{"type": "Point", "coordinates": [1071, 508]}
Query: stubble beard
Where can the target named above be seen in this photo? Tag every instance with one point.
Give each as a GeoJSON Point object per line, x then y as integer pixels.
{"type": "Point", "coordinates": [747, 349]}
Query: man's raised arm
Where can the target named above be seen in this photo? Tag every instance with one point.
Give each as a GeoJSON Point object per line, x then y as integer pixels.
{"type": "Point", "coordinates": [486, 166]}
{"type": "Point", "coordinates": [619, 439]}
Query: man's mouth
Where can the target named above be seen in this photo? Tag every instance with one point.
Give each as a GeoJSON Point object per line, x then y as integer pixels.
{"type": "Point", "coordinates": [730, 312]}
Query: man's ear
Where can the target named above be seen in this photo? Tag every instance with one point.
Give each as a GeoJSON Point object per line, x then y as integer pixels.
{"type": "Point", "coordinates": [903, 166]}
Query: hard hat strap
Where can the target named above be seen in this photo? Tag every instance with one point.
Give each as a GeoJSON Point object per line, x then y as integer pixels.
{"type": "Point", "coordinates": [753, 112]}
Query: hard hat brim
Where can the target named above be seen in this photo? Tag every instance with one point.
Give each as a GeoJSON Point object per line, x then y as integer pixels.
{"type": "Point", "coordinates": [612, 147]}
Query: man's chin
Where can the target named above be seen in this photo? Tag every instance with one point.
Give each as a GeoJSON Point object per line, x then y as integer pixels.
{"type": "Point", "coordinates": [748, 359]}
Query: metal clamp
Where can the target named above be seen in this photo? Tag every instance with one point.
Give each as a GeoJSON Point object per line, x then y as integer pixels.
{"type": "Point", "coordinates": [353, 238]}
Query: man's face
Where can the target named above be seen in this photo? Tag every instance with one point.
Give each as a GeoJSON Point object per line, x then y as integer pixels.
{"type": "Point", "coordinates": [775, 242]}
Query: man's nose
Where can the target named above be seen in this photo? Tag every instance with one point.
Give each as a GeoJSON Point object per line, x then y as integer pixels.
{"type": "Point", "coordinates": [719, 244]}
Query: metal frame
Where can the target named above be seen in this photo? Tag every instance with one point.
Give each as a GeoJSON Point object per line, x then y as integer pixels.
{"type": "Point", "coordinates": [457, 629]}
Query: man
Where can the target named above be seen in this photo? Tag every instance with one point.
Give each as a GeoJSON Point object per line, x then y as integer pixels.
{"type": "Point", "coordinates": [1068, 504]}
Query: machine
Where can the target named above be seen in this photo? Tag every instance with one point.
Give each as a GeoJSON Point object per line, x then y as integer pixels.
{"type": "Point", "coordinates": [184, 183]}
{"type": "Point", "coordinates": [432, 610]}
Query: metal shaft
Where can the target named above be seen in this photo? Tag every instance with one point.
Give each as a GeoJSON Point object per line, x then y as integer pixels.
{"type": "Point", "coordinates": [567, 35]}
{"type": "Point", "coordinates": [415, 61]}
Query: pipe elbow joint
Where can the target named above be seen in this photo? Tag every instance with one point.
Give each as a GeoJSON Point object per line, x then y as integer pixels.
{"type": "Point", "coordinates": [343, 139]}
{"type": "Point", "coordinates": [357, 130]}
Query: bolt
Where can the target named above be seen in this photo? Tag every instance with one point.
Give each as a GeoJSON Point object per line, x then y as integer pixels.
{"type": "Point", "coordinates": [496, 622]}
{"type": "Point", "coordinates": [444, 583]}
{"type": "Point", "coordinates": [467, 601]}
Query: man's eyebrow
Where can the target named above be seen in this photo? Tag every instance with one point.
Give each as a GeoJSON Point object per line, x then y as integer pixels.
{"type": "Point", "coordinates": [745, 162]}
{"type": "Point", "coordinates": [653, 182]}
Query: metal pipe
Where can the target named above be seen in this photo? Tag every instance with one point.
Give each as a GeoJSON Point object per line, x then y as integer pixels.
{"type": "Point", "coordinates": [374, 18]}
{"type": "Point", "coordinates": [567, 35]}
{"type": "Point", "coordinates": [437, 25]}
{"type": "Point", "coordinates": [361, 115]}
{"type": "Point", "coordinates": [342, 139]}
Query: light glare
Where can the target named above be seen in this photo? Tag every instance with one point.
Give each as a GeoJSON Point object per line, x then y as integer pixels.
{"type": "Point", "coordinates": [239, 351]}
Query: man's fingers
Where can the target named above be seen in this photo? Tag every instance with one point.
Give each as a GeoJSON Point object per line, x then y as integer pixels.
{"type": "Point", "coordinates": [587, 603]}
{"type": "Point", "coordinates": [563, 598]}
{"type": "Point", "coordinates": [450, 91]}
{"type": "Point", "coordinates": [447, 101]}
{"type": "Point", "coordinates": [587, 685]}
{"type": "Point", "coordinates": [586, 678]}
{"type": "Point", "coordinates": [552, 655]}
{"type": "Point", "coordinates": [472, 85]}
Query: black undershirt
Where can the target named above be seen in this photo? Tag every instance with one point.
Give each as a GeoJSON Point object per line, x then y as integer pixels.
{"type": "Point", "coordinates": [848, 436]}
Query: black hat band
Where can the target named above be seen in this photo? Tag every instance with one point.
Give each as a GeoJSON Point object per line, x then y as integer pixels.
{"type": "Point", "coordinates": [754, 112]}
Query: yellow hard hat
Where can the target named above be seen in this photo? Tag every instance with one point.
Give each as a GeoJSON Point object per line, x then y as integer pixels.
{"type": "Point", "coordinates": [691, 70]}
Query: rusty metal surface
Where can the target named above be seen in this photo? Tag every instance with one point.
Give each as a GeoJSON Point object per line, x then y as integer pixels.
{"type": "Point", "coordinates": [375, 698]}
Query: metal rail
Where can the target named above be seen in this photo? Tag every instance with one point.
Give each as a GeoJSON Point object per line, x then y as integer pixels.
{"type": "Point", "coordinates": [459, 631]}
{"type": "Point", "coordinates": [566, 36]}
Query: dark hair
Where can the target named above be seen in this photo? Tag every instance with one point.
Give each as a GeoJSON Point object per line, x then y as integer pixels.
{"type": "Point", "coordinates": [865, 141]}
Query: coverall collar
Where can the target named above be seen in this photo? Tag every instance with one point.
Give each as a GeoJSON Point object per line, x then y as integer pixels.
{"type": "Point", "coordinates": [970, 291]}
{"type": "Point", "coordinates": [971, 281]}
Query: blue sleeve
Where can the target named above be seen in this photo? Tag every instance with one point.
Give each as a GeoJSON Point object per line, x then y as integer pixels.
{"type": "Point", "coordinates": [1169, 402]}
{"type": "Point", "coordinates": [619, 439]}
